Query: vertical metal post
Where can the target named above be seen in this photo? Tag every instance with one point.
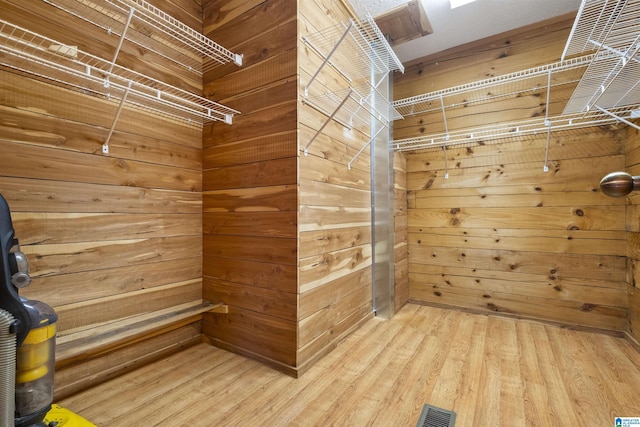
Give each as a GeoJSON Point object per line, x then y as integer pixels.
{"type": "Point", "coordinates": [383, 239]}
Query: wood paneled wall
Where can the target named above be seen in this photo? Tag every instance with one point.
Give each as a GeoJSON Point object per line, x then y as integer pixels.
{"type": "Point", "coordinates": [632, 166]}
{"type": "Point", "coordinates": [111, 236]}
{"type": "Point", "coordinates": [335, 208]}
{"type": "Point", "coordinates": [250, 182]}
{"type": "Point", "coordinates": [287, 236]}
{"type": "Point", "coordinates": [500, 234]}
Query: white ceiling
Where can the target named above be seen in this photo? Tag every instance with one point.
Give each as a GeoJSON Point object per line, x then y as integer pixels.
{"type": "Point", "coordinates": [474, 21]}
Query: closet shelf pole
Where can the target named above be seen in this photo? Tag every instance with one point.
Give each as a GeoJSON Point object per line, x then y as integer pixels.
{"type": "Point", "coordinates": [306, 148]}
{"type": "Point", "coordinates": [105, 146]}
{"type": "Point", "coordinates": [363, 148]}
{"type": "Point", "coordinates": [327, 58]}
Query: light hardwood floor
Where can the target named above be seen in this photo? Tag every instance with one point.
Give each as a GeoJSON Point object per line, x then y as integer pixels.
{"type": "Point", "coordinates": [491, 371]}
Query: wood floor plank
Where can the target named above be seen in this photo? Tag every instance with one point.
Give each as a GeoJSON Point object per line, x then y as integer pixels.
{"type": "Point", "coordinates": [405, 393]}
{"type": "Point", "coordinates": [561, 406]}
{"type": "Point", "coordinates": [584, 387]}
{"type": "Point", "coordinates": [487, 409]}
{"type": "Point", "coordinates": [536, 400]}
{"type": "Point", "coordinates": [512, 388]}
{"type": "Point", "coordinates": [491, 371]}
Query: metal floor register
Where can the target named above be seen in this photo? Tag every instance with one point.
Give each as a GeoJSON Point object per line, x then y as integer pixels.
{"type": "Point", "coordinates": [436, 417]}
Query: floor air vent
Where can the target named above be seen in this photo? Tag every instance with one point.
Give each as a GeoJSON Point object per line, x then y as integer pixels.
{"type": "Point", "coordinates": [436, 417]}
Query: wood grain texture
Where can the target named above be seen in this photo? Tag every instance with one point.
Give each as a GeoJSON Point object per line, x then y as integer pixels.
{"type": "Point", "coordinates": [110, 238]}
{"type": "Point", "coordinates": [632, 165]}
{"type": "Point", "coordinates": [335, 206]}
{"type": "Point", "coordinates": [250, 181]}
{"type": "Point", "coordinates": [500, 234]}
{"type": "Point", "coordinates": [489, 370]}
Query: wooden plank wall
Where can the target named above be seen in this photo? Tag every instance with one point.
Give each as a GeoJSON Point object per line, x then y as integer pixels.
{"type": "Point", "coordinates": [335, 208]}
{"type": "Point", "coordinates": [632, 166]}
{"type": "Point", "coordinates": [250, 182]}
{"type": "Point", "coordinates": [500, 235]}
{"type": "Point", "coordinates": [287, 236]}
{"type": "Point", "coordinates": [107, 236]}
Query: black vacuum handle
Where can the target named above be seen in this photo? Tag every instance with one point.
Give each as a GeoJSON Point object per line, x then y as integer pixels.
{"type": "Point", "coordinates": [9, 297]}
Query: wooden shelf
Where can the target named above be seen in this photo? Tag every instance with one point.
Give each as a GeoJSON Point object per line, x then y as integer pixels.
{"type": "Point", "coordinates": [73, 346]}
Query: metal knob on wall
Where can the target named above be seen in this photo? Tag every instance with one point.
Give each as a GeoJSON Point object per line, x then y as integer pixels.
{"type": "Point", "coordinates": [619, 184]}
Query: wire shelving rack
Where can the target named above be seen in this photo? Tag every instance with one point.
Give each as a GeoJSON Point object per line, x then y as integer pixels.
{"type": "Point", "coordinates": [29, 52]}
{"type": "Point", "coordinates": [362, 57]}
{"type": "Point", "coordinates": [150, 28]}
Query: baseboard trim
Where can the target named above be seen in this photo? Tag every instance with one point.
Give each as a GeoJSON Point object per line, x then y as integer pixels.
{"type": "Point", "coordinates": [278, 366]}
{"type": "Point", "coordinates": [633, 341]}
{"type": "Point", "coordinates": [570, 326]}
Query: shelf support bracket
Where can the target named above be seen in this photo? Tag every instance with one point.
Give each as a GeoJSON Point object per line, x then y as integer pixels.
{"type": "Point", "coordinates": [122, 37]}
{"type": "Point", "coordinates": [446, 167]}
{"type": "Point", "coordinates": [547, 123]}
{"type": "Point", "coordinates": [625, 121]}
{"type": "Point", "coordinates": [363, 148]}
{"type": "Point", "coordinates": [306, 148]}
{"type": "Point", "coordinates": [105, 146]}
{"type": "Point", "coordinates": [328, 57]}
{"type": "Point", "coordinates": [444, 118]}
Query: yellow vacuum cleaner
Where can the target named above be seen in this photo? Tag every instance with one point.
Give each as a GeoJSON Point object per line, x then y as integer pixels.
{"type": "Point", "coordinates": [27, 344]}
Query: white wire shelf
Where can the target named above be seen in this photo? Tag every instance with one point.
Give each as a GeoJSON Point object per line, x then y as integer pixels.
{"type": "Point", "coordinates": [542, 80]}
{"type": "Point", "coordinates": [516, 129]}
{"type": "Point", "coordinates": [151, 28]}
{"type": "Point", "coordinates": [533, 80]}
{"type": "Point", "coordinates": [611, 28]}
{"type": "Point", "coordinates": [355, 49]}
{"type": "Point", "coordinates": [354, 107]}
{"type": "Point", "coordinates": [360, 53]}
{"type": "Point", "coordinates": [69, 67]}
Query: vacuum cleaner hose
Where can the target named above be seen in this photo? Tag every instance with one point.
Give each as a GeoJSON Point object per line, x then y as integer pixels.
{"type": "Point", "coordinates": [7, 369]}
